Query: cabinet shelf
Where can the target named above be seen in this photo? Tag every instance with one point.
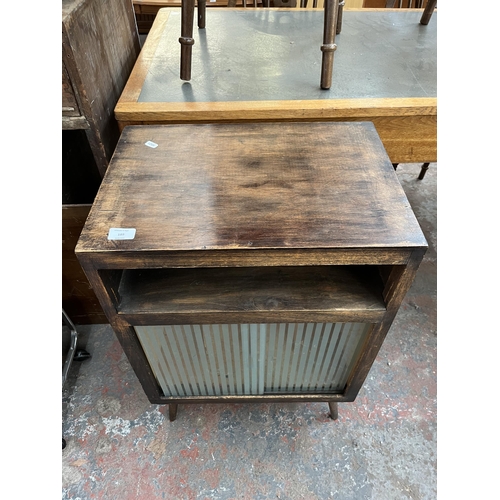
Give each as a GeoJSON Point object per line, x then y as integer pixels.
{"type": "Point", "coordinates": [261, 294]}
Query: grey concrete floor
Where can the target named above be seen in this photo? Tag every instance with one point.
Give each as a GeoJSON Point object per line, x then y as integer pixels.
{"type": "Point", "coordinates": [383, 445]}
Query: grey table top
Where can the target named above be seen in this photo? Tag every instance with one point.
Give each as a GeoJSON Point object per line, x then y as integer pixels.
{"type": "Point", "coordinates": [260, 54]}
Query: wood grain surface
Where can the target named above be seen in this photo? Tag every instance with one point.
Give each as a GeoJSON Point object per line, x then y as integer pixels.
{"type": "Point", "coordinates": [251, 186]}
{"type": "Point", "coordinates": [250, 295]}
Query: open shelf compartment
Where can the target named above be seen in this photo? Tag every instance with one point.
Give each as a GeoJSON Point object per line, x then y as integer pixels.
{"type": "Point", "coordinates": [249, 295]}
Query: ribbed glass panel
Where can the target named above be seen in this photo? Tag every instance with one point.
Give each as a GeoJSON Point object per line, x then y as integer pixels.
{"type": "Point", "coordinates": [286, 358]}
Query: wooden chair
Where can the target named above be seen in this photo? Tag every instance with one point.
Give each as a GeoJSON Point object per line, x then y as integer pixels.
{"type": "Point", "coordinates": [414, 4]}
{"type": "Point", "coordinates": [304, 3]}
{"type": "Point", "coordinates": [332, 26]}
{"type": "Point", "coordinates": [427, 14]}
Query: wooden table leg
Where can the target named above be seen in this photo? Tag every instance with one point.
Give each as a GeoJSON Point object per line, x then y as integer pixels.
{"type": "Point", "coordinates": [427, 14]}
{"type": "Point", "coordinates": [424, 169]}
{"type": "Point", "coordinates": [186, 39]}
{"type": "Point", "coordinates": [172, 411]}
{"type": "Point", "coordinates": [328, 48]}
{"type": "Point", "coordinates": [334, 410]}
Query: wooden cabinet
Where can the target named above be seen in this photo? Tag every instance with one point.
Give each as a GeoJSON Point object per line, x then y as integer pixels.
{"type": "Point", "coordinates": [242, 262]}
{"type": "Point", "coordinates": [100, 45]}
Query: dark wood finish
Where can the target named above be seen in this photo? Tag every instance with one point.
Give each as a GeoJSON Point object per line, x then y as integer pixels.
{"type": "Point", "coordinates": [332, 25]}
{"type": "Point", "coordinates": [334, 410]}
{"type": "Point", "coordinates": [186, 39]}
{"type": "Point", "coordinates": [212, 201]}
{"type": "Point", "coordinates": [399, 282]}
{"type": "Point", "coordinates": [250, 258]}
{"type": "Point", "coordinates": [69, 103]}
{"type": "Point", "coordinates": [172, 411]}
{"type": "Point", "coordinates": [252, 295]}
{"type": "Point", "coordinates": [424, 169]}
{"type": "Point", "coordinates": [239, 202]}
{"type": "Point", "coordinates": [78, 298]}
{"type": "Point", "coordinates": [100, 45]}
{"type": "Point", "coordinates": [428, 11]}
{"type": "Point", "coordinates": [340, 15]}
{"type": "Point", "coordinates": [202, 7]}
{"type": "Point", "coordinates": [328, 48]}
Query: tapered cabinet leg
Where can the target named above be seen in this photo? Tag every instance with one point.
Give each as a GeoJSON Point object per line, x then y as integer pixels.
{"type": "Point", "coordinates": [172, 411]}
{"type": "Point", "coordinates": [334, 410]}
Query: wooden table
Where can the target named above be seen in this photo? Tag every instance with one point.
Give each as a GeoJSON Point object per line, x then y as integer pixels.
{"type": "Point", "coordinates": [262, 65]}
{"type": "Point", "coordinates": [240, 262]}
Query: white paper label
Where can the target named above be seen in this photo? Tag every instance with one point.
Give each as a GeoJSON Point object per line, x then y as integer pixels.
{"type": "Point", "coordinates": [121, 233]}
{"type": "Point", "coordinates": [151, 144]}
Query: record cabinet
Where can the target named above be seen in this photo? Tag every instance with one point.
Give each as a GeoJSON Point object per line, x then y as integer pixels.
{"type": "Point", "coordinates": [244, 262]}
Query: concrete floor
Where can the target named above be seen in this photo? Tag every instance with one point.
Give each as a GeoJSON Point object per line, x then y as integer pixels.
{"type": "Point", "coordinates": [383, 445]}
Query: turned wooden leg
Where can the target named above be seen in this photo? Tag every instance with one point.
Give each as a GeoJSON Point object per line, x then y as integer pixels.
{"type": "Point", "coordinates": [172, 411]}
{"type": "Point", "coordinates": [339, 16]}
{"type": "Point", "coordinates": [186, 39]}
{"type": "Point", "coordinates": [331, 8]}
{"type": "Point", "coordinates": [427, 14]}
{"type": "Point", "coordinates": [334, 410]}
{"type": "Point", "coordinates": [424, 169]}
{"type": "Point", "coordinates": [202, 8]}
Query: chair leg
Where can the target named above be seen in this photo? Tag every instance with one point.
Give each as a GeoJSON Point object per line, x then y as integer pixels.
{"type": "Point", "coordinates": [331, 8]}
{"type": "Point", "coordinates": [202, 8]}
{"type": "Point", "coordinates": [186, 39]}
{"type": "Point", "coordinates": [424, 169]}
{"type": "Point", "coordinates": [339, 16]}
{"type": "Point", "coordinates": [427, 14]}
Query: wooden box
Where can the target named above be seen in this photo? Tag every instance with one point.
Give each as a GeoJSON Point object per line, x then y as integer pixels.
{"type": "Point", "coordinates": [242, 262]}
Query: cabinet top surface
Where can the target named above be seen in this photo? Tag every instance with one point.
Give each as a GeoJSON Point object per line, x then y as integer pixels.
{"type": "Point", "coordinates": [251, 186]}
